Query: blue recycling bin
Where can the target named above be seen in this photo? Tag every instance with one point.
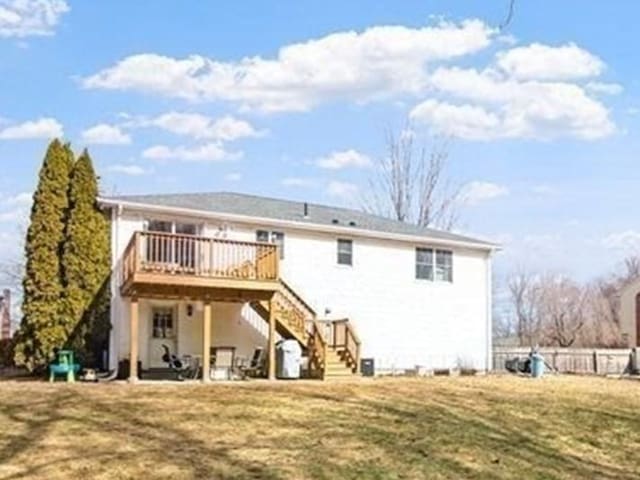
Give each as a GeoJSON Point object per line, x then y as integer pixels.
{"type": "Point", "coordinates": [537, 365]}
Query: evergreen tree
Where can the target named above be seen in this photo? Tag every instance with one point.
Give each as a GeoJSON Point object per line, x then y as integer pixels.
{"type": "Point", "coordinates": [86, 264]}
{"type": "Point", "coordinates": [41, 329]}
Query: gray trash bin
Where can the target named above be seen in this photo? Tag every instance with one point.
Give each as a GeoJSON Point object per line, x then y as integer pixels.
{"type": "Point", "coordinates": [288, 359]}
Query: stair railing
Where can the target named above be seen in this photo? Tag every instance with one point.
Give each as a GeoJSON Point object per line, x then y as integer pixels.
{"type": "Point", "coordinates": [317, 351]}
{"type": "Point", "coordinates": [341, 335]}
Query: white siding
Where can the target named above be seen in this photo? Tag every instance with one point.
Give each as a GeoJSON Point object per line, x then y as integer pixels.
{"type": "Point", "coordinates": [402, 322]}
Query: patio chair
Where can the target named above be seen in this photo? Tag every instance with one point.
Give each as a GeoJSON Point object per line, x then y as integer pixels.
{"type": "Point", "coordinates": [185, 366]}
{"type": "Point", "coordinates": [256, 367]}
{"type": "Point", "coordinates": [222, 362]}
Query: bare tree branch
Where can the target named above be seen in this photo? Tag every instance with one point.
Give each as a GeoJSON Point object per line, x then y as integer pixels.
{"type": "Point", "coordinates": [505, 23]}
{"type": "Point", "coordinates": [410, 183]}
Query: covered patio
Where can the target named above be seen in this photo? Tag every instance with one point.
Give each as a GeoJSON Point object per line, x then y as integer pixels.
{"type": "Point", "coordinates": [173, 284]}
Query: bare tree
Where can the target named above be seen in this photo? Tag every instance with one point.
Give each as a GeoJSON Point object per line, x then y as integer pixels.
{"type": "Point", "coordinates": [410, 183]}
{"type": "Point", "coordinates": [524, 293]}
{"type": "Point", "coordinates": [562, 305]}
{"type": "Point", "coordinates": [11, 274]}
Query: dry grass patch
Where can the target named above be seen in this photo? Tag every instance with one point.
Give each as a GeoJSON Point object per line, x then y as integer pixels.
{"type": "Point", "coordinates": [467, 427]}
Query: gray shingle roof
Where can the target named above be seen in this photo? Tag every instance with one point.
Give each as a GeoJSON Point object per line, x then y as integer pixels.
{"type": "Point", "coordinates": [277, 209]}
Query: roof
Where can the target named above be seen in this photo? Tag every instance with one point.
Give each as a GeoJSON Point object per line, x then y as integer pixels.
{"type": "Point", "coordinates": [290, 211]}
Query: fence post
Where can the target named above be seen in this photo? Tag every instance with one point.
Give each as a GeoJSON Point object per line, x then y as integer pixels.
{"type": "Point", "coordinates": [595, 362]}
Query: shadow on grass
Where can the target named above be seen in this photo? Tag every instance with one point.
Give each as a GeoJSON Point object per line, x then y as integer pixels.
{"type": "Point", "coordinates": [304, 432]}
{"type": "Point", "coordinates": [159, 445]}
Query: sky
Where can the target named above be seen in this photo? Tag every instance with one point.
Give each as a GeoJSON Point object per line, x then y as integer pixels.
{"type": "Point", "coordinates": [293, 99]}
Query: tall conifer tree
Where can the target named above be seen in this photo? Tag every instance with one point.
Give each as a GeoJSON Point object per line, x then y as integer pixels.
{"type": "Point", "coordinates": [86, 263]}
{"type": "Point", "coordinates": [41, 329]}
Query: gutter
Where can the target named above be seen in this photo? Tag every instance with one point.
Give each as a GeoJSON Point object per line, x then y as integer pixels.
{"type": "Point", "coordinates": [353, 232]}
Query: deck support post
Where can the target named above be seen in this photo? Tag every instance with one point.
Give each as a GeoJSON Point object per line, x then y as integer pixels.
{"type": "Point", "coordinates": [271, 359]}
{"type": "Point", "coordinates": [133, 340]}
{"type": "Point", "coordinates": [206, 342]}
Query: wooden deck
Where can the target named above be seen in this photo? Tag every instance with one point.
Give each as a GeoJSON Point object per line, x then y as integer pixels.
{"type": "Point", "coordinates": [187, 266]}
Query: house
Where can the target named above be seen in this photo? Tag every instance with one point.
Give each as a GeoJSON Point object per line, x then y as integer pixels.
{"type": "Point", "coordinates": [630, 313]}
{"type": "Point", "coordinates": [205, 272]}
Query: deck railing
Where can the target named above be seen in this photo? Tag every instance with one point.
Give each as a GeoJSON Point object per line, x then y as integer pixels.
{"type": "Point", "coordinates": [341, 335]}
{"type": "Point", "coordinates": [178, 254]}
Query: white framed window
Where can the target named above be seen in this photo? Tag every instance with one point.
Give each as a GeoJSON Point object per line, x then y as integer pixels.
{"type": "Point", "coordinates": [444, 266]}
{"type": "Point", "coordinates": [345, 251]}
{"type": "Point", "coordinates": [424, 263]}
{"type": "Point", "coordinates": [434, 265]}
{"type": "Point", "coordinates": [163, 326]}
{"type": "Point", "coordinates": [277, 238]}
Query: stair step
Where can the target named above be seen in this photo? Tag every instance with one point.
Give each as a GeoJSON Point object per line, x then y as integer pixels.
{"type": "Point", "coordinates": [344, 373]}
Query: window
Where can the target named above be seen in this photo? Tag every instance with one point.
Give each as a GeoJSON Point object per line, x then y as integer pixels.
{"type": "Point", "coordinates": [167, 249]}
{"type": "Point", "coordinates": [159, 226]}
{"type": "Point", "coordinates": [345, 252]}
{"type": "Point", "coordinates": [424, 263]}
{"type": "Point", "coordinates": [262, 236]}
{"type": "Point", "coordinates": [163, 323]}
{"type": "Point", "coordinates": [277, 238]}
{"type": "Point", "coordinates": [427, 258]}
{"type": "Point", "coordinates": [444, 266]}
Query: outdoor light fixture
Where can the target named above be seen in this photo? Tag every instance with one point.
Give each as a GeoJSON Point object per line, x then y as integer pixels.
{"type": "Point", "coordinates": [189, 310]}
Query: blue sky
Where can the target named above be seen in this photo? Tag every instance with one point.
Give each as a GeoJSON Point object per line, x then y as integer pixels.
{"type": "Point", "coordinates": [292, 99]}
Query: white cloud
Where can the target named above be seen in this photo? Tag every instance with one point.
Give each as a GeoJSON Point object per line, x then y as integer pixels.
{"type": "Point", "coordinates": [23, 18]}
{"type": "Point", "coordinates": [41, 128]}
{"type": "Point", "coordinates": [464, 121]}
{"type": "Point", "coordinates": [104, 134]}
{"type": "Point", "coordinates": [544, 62]}
{"type": "Point", "coordinates": [378, 62]}
{"type": "Point", "coordinates": [201, 127]}
{"type": "Point", "coordinates": [297, 182]}
{"type": "Point", "coordinates": [343, 190]}
{"type": "Point", "coordinates": [605, 88]}
{"type": "Point", "coordinates": [498, 107]}
{"type": "Point", "coordinates": [476, 192]}
{"type": "Point", "coordinates": [344, 159]}
{"type": "Point", "coordinates": [233, 177]}
{"type": "Point", "coordinates": [210, 152]}
{"type": "Point", "coordinates": [22, 199]}
{"type": "Point", "coordinates": [628, 240]}
{"type": "Point", "coordinates": [131, 170]}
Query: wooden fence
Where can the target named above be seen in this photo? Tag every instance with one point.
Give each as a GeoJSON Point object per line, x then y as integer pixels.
{"type": "Point", "coordinates": [599, 361]}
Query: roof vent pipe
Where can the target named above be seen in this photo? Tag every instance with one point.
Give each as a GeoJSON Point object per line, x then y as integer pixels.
{"type": "Point", "coordinates": [306, 210]}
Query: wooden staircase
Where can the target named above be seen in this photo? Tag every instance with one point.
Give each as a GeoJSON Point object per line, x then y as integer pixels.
{"type": "Point", "coordinates": [332, 346]}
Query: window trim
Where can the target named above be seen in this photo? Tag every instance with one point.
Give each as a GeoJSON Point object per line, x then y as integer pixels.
{"type": "Point", "coordinates": [435, 265]}
{"type": "Point", "coordinates": [344, 241]}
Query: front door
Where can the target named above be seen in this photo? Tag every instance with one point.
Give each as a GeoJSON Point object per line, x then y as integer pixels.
{"type": "Point", "coordinates": [163, 332]}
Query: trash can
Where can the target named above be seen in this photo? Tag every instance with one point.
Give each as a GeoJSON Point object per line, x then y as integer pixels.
{"type": "Point", "coordinates": [537, 365]}
{"type": "Point", "coordinates": [367, 367]}
{"type": "Point", "coordinates": [288, 359]}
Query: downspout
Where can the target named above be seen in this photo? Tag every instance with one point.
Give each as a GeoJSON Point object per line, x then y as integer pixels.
{"type": "Point", "coordinates": [114, 335]}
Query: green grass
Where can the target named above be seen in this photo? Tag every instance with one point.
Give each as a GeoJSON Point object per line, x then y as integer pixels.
{"type": "Point", "coordinates": [467, 427]}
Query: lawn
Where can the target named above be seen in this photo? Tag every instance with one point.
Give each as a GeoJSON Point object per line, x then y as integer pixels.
{"type": "Point", "coordinates": [466, 427]}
